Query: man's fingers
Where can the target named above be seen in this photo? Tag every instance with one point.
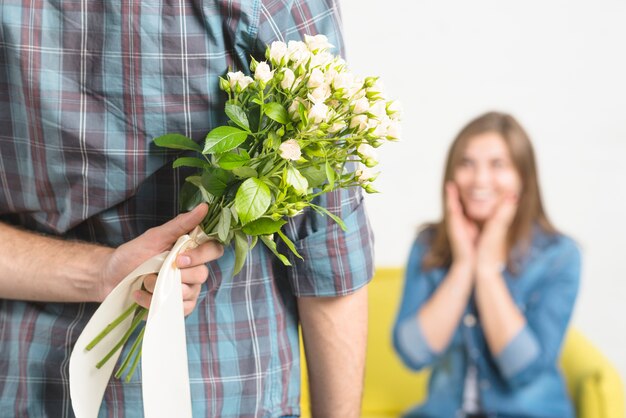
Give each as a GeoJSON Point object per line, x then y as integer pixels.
{"type": "Point", "coordinates": [149, 282]}
{"type": "Point", "coordinates": [191, 292]}
{"type": "Point", "coordinates": [195, 275]}
{"type": "Point", "coordinates": [200, 255]}
{"type": "Point", "coordinates": [168, 233]}
{"type": "Point", "coordinates": [143, 298]}
{"type": "Point", "coordinates": [185, 222]}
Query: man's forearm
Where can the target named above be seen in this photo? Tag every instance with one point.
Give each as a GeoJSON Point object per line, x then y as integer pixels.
{"type": "Point", "coordinates": [335, 337]}
{"type": "Point", "coordinates": [36, 267]}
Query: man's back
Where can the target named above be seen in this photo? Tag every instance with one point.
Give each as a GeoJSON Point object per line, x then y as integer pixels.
{"type": "Point", "coordinates": [84, 88]}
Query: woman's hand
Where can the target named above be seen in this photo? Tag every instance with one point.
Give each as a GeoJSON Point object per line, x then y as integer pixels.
{"type": "Point", "coordinates": [492, 243]}
{"type": "Point", "coordinates": [462, 232]}
{"type": "Point", "coordinates": [154, 241]}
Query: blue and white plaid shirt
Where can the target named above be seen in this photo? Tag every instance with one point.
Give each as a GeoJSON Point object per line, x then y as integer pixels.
{"type": "Point", "coordinates": [84, 88]}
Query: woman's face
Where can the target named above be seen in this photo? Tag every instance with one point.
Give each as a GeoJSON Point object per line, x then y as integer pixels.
{"type": "Point", "coordinates": [485, 175]}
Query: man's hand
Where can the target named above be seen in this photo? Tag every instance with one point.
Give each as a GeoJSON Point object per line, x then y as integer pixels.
{"type": "Point", "coordinates": [41, 268]}
{"type": "Point", "coordinates": [154, 241]}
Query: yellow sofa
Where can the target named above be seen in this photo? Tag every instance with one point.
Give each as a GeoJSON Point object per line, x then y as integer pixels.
{"type": "Point", "coordinates": [390, 388]}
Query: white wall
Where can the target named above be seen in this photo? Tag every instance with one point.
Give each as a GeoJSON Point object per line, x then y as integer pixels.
{"type": "Point", "coordinates": [560, 68]}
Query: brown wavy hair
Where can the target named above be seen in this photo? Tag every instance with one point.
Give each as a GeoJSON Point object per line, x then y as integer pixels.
{"type": "Point", "coordinates": [530, 211]}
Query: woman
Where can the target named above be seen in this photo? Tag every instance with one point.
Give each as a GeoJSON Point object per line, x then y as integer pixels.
{"type": "Point", "coordinates": [490, 288]}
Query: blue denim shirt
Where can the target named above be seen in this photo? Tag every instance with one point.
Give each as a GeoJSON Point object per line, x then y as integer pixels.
{"type": "Point", "coordinates": [523, 380]}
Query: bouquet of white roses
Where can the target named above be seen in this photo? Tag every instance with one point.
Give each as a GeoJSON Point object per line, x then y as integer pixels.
{"type": "Point", "coordinates": [303, 125]}
{"type": "Point", "coordinates": [293, 131]}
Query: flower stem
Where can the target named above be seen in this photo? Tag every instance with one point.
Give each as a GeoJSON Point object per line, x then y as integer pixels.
{"type": "Point", "coordinates": [133, 366]}
{"type": "Point", "coordinates": [130, 354]}
{"type": "Point", "coordinates": [111, 326]}
{"type": "Point", "coordinates": [135, 350]}
{"type": "Point", "coordinates": [138, 318]}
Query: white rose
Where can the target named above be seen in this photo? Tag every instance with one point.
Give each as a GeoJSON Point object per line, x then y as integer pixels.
{"type": "Point", "coordinates": [293, 108]}
{"type": "Point", "coordinates": [329, 76]}
{"type": "Point", "coordinates": [376, 90]}
{"type": "Point", "coordinates": [394, 109]}
{"type": "Point", "coordinates": [278, 50]}
{"type": "Point", "coordinates": [337, 127]}
{"type": "Point", "coordinates": [243, 83]}
{"type": "Point", "coordinates": [339, 64]}
{"type": "Point", "coordinates": [298, 52]}
{"type": "Point", "coordinates": [233, 78]}
{"type": "Point", "coordinates": [361, 105]}
{"type": "Point", "coordinates": [367, 151]}
{"type": "Point", "coordinates": [379, 110]}
{"type": "Point", "coordinates": [380, 126]}
{"type": "Point", "coordinates": [317, 42]}
{"type": "Point", "coordinates": [263, 72]}
{"type": "Point", "coordinates": [320, 94]}
{"type": "Point", "coordinates": [359, 122]}
{"type": "Point", "coordinates": [288, 78]}
{"type": "Point", "coordinates": [290, 150]}
{"type": "Point", "coordinates": [343, 81]}
{"type": "Point", "coordinates": [316, 78]}
{"type": "Point", "coordinates": [365, 175]}
{"type": "Point", "coordinates": [238, 79]}
{"type": "Point", "coordinates": [318, 113]}
{"type": "Point", "coordinates": [393, 130]}
{"type": "Point", "coordinates": [356, 87]}
{"type": "Point", "coordinates": [321, 59]}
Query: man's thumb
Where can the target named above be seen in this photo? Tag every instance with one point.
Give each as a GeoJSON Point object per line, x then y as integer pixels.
{"type": "Point", "coordinates": [184, 223]}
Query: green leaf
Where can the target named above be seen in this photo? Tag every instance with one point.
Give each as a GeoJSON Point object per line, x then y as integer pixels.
{"type": "Point", "coordinates": [177, 141]}
{"type": "Point", "coordinates": [190, 196]}
{"type": "Point", "coordinates": [237, 115]}
{"type": "Point", "coordinates": [190, 162]}
{"type": "Point", "coordinates": [255, 239]}
{"type": "Point", "coordinates": [272, 141]}
{"type": "Point", "coordinates": [314, 150]}
{"type": "Point", "coordinates": [263, 226]}
{"type": "Point", "coordinates": [316, 176]}
{"type": "Point", "coordinates": [216, 181]}
{"type": "Point", "coordinates": [277, 112]}
{"type": "Point", "coordinates": [289, 244]}
{"type": "Point", "coordinates": [233, 210]}
{"type": "Point", "coordinates": [302, 113]}
{"type": "Point", "coordinates": [223, 138]}
{"type": "Point", "coordinates": [297, 180]}
{"type": "Point", "coordinates": [244, 172]}
{"type": "Point", "coordinates": [269, 243]}
{"type": "Point", "coordinates": [197, 181]}
{"type": "Point", "coordinates": [252, 200]}
{"type": "Point", "coordinates": [223, 225]}
{"type": "Point", "coordinates": [231, 160]}
{"type": "Point", "coordinates": [322, 210]}
{"type": "Point", "coordinates": [330, 175]}
{"type": "Point", "coordinates": [241, 251]}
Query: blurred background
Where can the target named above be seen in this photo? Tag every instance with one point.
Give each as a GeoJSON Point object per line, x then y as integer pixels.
{"type": "Point", "coordinates": [560, 68]}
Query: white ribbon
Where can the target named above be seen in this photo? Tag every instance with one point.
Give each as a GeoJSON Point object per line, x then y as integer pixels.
{"type": "Point", "coordinates": [164, 369]}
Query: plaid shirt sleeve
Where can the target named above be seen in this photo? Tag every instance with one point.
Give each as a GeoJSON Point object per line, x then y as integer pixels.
{"type": "Point", "coordinates": [336, 262]}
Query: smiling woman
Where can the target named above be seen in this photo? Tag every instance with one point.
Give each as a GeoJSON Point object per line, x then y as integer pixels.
{"type": "Point", "coordinates": [490, 288]}
{"type": "Point", "coordinates": [491, 159]}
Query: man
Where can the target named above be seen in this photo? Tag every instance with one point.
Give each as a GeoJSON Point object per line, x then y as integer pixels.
{"type": "Point", "coordinates": [86, 197]}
